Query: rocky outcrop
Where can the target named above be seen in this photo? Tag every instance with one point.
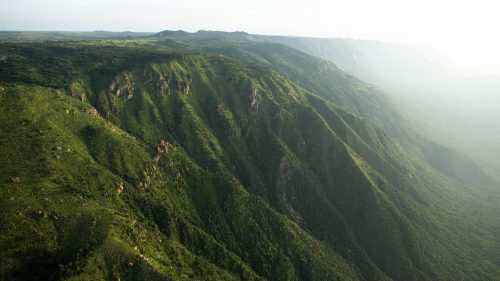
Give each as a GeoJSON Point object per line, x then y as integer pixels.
{"type": "Point", "coordinates": [163, 147]}
{"type": "Point", "coordinates": [157, 82]}
{"type": "Point", "coordinates": [165, 82]}
{"type": "Point", "coordinates": [122, 86]}
{"type": "Point", "coordinates": [220, 110]}
{"type": "Point", "coordinates": [183, 86]}
{"type": "Point", "coordinates": [78, 90]}
{"type": "Point", "coordinates": [253, 98]}
{"type": "Point", "coordinates": [284, 176]}
{"type": "Point", "coordinates": [76, 95]}
{"type": "Point", "coordinates": [15, 179]}
{"type": "Point", "coordinates": [153, 169]}
{"type": "Point", "coordinates": [91, 111]}
{"type": "Point", "coordinates": [121, 188]}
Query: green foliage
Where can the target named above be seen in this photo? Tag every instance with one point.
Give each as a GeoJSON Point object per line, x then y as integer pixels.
{"type": "Point", "coordinates": [132, 160]}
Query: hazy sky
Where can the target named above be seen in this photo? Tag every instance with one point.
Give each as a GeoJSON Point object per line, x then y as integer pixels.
{"type": "Point", "coordinates": [466, 31]}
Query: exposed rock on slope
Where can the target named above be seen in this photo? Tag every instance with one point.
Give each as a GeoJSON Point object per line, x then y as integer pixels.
{"type": "Point", "coordinates": [285, 174]}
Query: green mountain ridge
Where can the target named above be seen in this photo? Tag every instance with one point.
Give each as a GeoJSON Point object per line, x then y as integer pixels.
{"type": "Point", "coordinates": [323, 78]}
{"type": "Point", "coordinates": [167, 159]}
{"type": "Point", "coordinates": [35, 36]}
{"type": "Point", "coordinates": [449, 104]}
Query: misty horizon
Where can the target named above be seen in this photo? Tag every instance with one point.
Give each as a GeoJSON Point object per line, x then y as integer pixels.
{"type": "Point", "coordinates": [464, 32]}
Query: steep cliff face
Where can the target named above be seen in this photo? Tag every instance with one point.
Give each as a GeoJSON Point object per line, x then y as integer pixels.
{"type": "Point", "coordinates": [181, 165]}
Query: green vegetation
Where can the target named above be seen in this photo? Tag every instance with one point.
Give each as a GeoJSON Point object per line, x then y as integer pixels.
{"type": "Point", "coordinates": [25, 36]}
{"type": "Point", "coordinates": [211, 157]}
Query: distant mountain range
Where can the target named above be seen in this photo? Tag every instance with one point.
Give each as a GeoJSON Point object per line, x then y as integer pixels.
{"type": "Point", "coordinates": [447, 102]}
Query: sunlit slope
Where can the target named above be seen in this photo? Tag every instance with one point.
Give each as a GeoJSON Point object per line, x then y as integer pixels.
{"type": "Point", "coordinates": [347, 92]}
{"type": "Point", "coordinates": [131, 160]}
{"type": "Point", "coordinates": [315, 75]}
{"type": "Point", "coordinates": [83, 199]}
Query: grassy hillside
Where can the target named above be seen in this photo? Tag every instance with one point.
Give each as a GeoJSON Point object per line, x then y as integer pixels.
{"type": "Point", "coordinates": [36, 36]}
{"type": "Point", "coordinates": [143, 160]}
{"type": "Point", "coordinates": [84, 199]}
{"type": "Point", "coordinates": [446, 102]}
